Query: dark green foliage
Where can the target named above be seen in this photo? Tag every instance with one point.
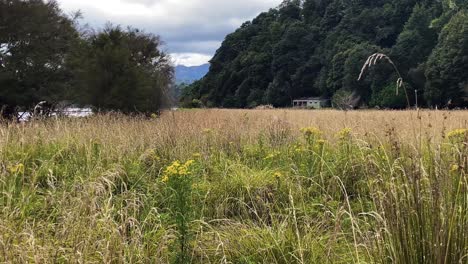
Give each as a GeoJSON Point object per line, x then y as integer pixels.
{"type": "Point", "coordinates": [123, 70]}
{"type": "Point", "coordinates": [35, 39]}
{"type": "Point", "coordinates": [447, 67]}
{"type": "Point", "coordinates": [386, 98]}
{"type": "Point", "coordinates": [317, 47]}
{"type": "Point", "coordinates": [44, 57]}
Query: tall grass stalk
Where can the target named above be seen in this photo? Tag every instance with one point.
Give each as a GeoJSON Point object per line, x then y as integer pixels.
{"type": "Point", "coordinates": [376, 57]}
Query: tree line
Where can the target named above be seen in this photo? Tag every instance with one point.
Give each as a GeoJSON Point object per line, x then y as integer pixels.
{"type": "Point", "coordinates": [45, 55]}
{"type": "Point", "coordinates": [316, 48]}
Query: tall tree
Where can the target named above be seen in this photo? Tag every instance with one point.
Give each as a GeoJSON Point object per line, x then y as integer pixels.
{"type": "Point", "coordinates": [35, 40]}
{"type": "Point", "coordinates": [123, 70]}
{"type": "Point", "coordinates": [447, 81]}
{"type": "Point", "coordinates": [417, 40]}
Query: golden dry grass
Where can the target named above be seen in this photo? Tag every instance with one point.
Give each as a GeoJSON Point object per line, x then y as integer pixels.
{"type": "Point", "coordinates": [181, 126]}
{"type": "Point", "coordinates": [90, 190]}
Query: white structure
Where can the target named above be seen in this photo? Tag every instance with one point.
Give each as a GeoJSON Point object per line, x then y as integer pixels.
{"type": "Point", "coordinates": [311, 102]}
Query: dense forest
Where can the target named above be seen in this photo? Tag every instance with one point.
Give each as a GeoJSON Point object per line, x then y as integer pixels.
{"type": "Point", "coordinates": [317, 48]}
{"type": "Point", "coordinates": [45, 55]}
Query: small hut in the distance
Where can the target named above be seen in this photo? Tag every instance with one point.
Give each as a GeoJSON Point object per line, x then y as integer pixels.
{"type": "Point", "coordinates": [312, 103]}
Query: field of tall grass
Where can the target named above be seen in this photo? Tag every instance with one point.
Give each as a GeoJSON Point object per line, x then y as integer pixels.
{"type": "Point", "coordinates": [235, 186]}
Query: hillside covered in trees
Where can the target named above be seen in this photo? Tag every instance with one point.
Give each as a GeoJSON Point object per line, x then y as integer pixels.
{"type": "Point", "coordinates": [317, 48]}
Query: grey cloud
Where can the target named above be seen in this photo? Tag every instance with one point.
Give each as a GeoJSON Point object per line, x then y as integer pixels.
{"type": "Point", "coordinates": [186, 26]}
{"type": "Point", "coordinates": [202, 47]}
{"type": "Point", "coordinates": [147, 3]}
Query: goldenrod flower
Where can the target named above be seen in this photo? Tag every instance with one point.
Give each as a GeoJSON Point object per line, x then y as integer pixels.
{"type": "Point", "coordinates": [272, 155]}
{"type": "Point", "coordinates": [457, 134]}
{"type": "Point", "coordinates": [344, 133]}
{"type": "Point", "coordinates": [165, 178]}
{"type": "Point", "coordinates": [189, 163]}
{"type": "Point", "coordinates": [311, 132]}
{"type": "Point", "coordinates": [454, 168]}
{"type": "Point", "coordinates": [176, 169]}
{"type": "Point", "coordinates": [183, 171]}
{"type": "Point", "coordinates": [278, 174]}
{"type": "Point", "coordinates": [321, 142]}
{"type": "Point", "coordinates": [299, 149]}
{"type": "Point", "coordinates": [16, 169]}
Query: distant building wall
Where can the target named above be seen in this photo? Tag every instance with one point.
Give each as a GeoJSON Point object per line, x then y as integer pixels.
{"type": "Point", "coordinates": [313, 103]}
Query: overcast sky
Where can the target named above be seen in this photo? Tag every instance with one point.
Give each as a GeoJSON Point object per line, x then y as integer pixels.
{"type": "Point", "coordinates": [191, 29]}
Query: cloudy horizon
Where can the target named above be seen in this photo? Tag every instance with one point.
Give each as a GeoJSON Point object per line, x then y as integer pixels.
{"type": "Point", "coordinates": [192, 30]}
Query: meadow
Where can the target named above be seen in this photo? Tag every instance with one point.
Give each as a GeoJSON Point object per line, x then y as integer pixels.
{"type": "Point", "coordinates": [237, 186]}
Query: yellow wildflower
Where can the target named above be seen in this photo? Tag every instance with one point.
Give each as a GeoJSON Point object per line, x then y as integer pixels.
{"type": "Point", "coordinates": [344, 133]}
{"type": "Point", "coordinates": [176, 169]}
{"type": "Point", "coordinates": [183, 171]}
{"type": "Point", "coordinates": [321, 142]}
{"type": "Point", "coordinates": [457, 133]}
{"type": "Point", "coordinates": [173, 168]}
{"type": "Point", "coordinates": [299, 149]}
{"type": "Point", "coordinates": [189, 163]}
{"type": "Point", "coordinates": [165, 178]}
{"type": "Point", "coordinates": [454, 168]}
{"type": "Point", "coordinates": [16, 169]}
{"type": "Point", "coordinates": [311, 132]}
{"type": "Point", "coordinates": [272, 155]}
{"type": "Point", "coordinates": [278, 175]}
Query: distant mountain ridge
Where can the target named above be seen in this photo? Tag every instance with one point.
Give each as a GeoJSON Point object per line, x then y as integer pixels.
{"type": "Point", "coordinates": [190, 74]}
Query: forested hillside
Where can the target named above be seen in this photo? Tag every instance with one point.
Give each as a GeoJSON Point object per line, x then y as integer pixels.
{"type": "Point", "coordinates": [317, 48]}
